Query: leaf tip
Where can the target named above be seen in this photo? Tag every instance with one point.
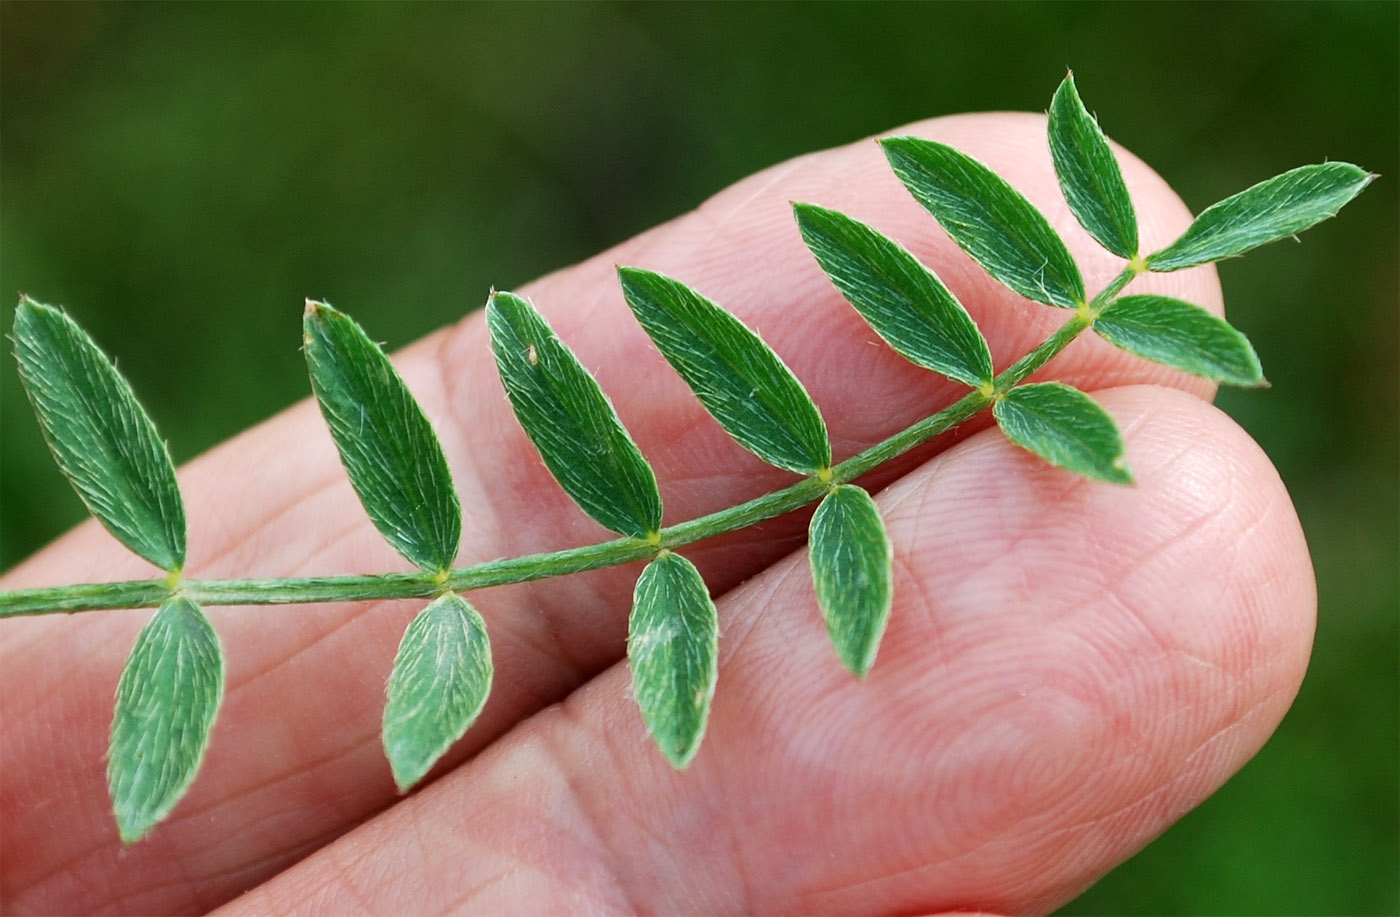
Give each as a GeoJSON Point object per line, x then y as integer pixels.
{"type": "Point", "coordinates": [1253, 374]}
{"type": "Point", "coordinates": [315, 313]}
{"type": "Point", "coordinates": [631, 276]}
{"type": "Point", "coordinates": [406, 776]}
{"type": "Point", "coordinates": [680, 758]}
{"type": "Point", "coordinates": [896, 146]}
{"type": "Point", "coordinates": [129, 830]}
{"type": "Point", "coordinates": [28, 304]}
{"type": "Point", "coordinates": [859, 667]}
{"type": "Point", "coordinates": [320, 310]}
{"type": "Point", "coordinates": [496, 296]}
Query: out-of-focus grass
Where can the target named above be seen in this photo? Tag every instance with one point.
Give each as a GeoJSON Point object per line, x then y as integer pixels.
{"type": "Point", "coordinates": [182, 176]}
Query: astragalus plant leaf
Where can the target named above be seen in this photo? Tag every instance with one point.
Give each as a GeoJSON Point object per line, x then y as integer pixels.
{"type": "Point", "coordinates": [441, 677]}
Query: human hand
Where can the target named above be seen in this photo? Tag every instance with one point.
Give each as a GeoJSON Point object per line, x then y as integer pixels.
{"type": "Point", "coordinates": [1069, 666]}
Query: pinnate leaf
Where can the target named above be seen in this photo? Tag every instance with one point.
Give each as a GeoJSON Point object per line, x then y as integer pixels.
{"type": "Point", "coordinates": [738, 379]}
{"type": "Point", "coordinates": [167, 699]}
{"type": "Point", "coordinates": [441, 678]}
{"type": "Point", "coordinates": [988, 219]}
{"type": "Point", "coordinates": [852, 570]}
{"type": "Point", "coordinates": [571, 422]}
{"type": "Point", "coordinates": [1065, 427]}
{"type": "Point", "coordinates": [1271, 210]}
{"type": "Point", "coordinates": [1180, 335]}
{"type": "Point", "coordinates": [101, 438]}
{"type": "Point", "coordinates": [903, 301]}
{"type": "Point", "coordinates": [1089, 175]}
{"type": "Point", "coordinates": [389, 450]}
{"type": "Point", "coordinates": [673, 649]}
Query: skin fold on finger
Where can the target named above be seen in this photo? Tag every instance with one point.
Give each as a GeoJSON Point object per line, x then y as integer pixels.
{"type": "Point", "coordinates": [1070, 667]}
{"type": "Point", "coordinates": [295, 757]}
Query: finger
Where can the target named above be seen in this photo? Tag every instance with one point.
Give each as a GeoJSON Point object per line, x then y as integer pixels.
{"type": "Point", "coordinates": [274, 502]}
{"type": "Point", "coordinates": [1070, 666]}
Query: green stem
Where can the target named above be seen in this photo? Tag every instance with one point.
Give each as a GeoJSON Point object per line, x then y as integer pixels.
{"type": "Point", "coordinates": [1017, 372]}
{"type": "Point", "coordinates": [1115, 286]}
{"type": "Point", "coordinates": [352, 588]}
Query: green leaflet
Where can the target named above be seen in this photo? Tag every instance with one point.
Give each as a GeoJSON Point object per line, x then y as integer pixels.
{"type": "Point", "coordinates": [903, 301]}
{"type": "Point", "coordinates": [1180, 335]}
{"type": "Point", "coordinates": [1271, 210]}
{"type": "Point", "coordinates": [167, 698]}
{"type": "Point", "coordinates": [440, 681]}
{"type": "Point", "coordinates": [389, 450]}
{"type": "Point", "coordinates": [989, 219]}
{"type": "Point", "coordinates": [738, 379]}
{"type": "Point", "coordinates": [571, 422]}
{"type": "Point", "coordinates": [1089, 175]}
{"type": "Point", "coordinates": [852, 570]}
{"type": "Point", "coordinates": [673, 649]}
{"type": "Point", "coordinates": [101, 438]}
{"type": "Point", "coordinates": [1065, 427]}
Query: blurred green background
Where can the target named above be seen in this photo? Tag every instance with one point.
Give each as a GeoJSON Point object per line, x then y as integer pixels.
{"type": "Point", "coordinates": [181, 176]}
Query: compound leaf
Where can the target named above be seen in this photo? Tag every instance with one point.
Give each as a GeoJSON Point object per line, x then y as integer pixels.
{"type": "Point", "coordinates": [1271, 210]}
{"type": "Point", "coordinates": [738, 379]}
{"type": "Point", "coordinates": [389, 450]}
{"type": "Point", "coordinates": [1180, 335]}
{"type": "Point", "coordinates": [440, 681]}
{"type": "Point", "coordinates": [988, 219]}
{"type": "Point", "coordinates": [1065, 427]}
{"type": "Point", "coordinates": [103, 441]}
{"type": "Point", "coordinates": [852, 569]}
{"type": "Point", "coordinates": [571, 422]}
{"type": "Point", "coordinates": [167, 699]}
{"type": "Point", "coordinates": [1089, 175]}
{"type": "Point", "coordinates": [903, 301]}
{"type": "Point", "coordinates": [673, 649]}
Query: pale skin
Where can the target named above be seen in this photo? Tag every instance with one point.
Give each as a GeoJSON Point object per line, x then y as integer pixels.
{"type": "Point", "coordinates": [1069, 668]}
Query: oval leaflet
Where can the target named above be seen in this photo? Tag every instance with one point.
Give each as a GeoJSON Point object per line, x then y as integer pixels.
{"type": "Point", "coordinates": [571, 422]}
{"type": "Point", "coordinates": [388, 448]}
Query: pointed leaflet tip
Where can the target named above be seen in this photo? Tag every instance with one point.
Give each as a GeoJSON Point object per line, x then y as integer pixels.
{"type": "Point", "coordinates": [673, 651]}
{"type": "Point", "coordinates": [388, 448]}
{"type": "Point", "coordinates": [1089, 174]}
{"type": "Point", "coordinates": [1065, 427]}
{"type": "Point", "coordinates": [736, 376]}
{"type": "Point", "coordinates": [1274, 209]}
{"type": "Point", "coordinates": [571, 422]}
{"type": "Point", "coordinates": [988, 219]}
{"type": "Point", "coordinates": [167, 700]}
{"type": "Point", "coordinates": [102, 439]}
{"type": "Point", "coordinates": [905, 302]}
{"type": "Point", "coordinates": [441, 679]}
{"type": "Point", "coordinates": [853, 573]}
